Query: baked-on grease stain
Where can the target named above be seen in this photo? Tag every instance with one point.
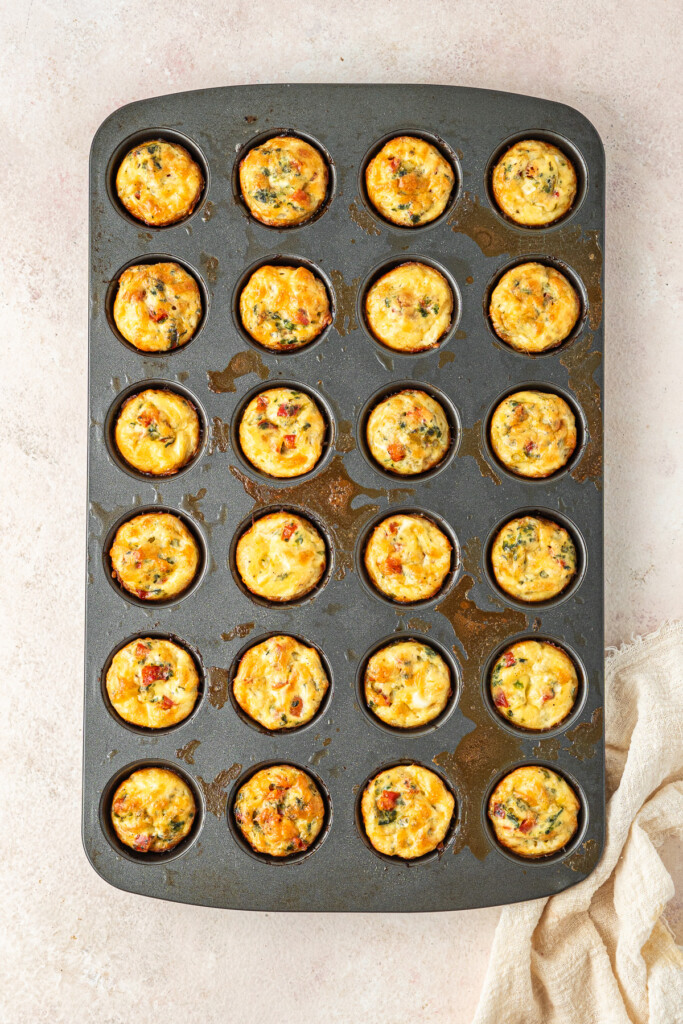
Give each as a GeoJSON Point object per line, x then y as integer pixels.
{"type": "Point", "coordinates": [470, 444]}
{"type": "Point", "coordinates": [345, 317]}
{"type": "Point", "coordinates": [242, 630]}
{"type": "Point", "coordinates": [585, 858]}
{"type": "Point", "coordinates": [330, 495]}
{"type": "Point", "coordinates": [420, 624]}
{"type": "Point", "coordinates": [191, 503]}
{"type": "Point", "coordinates": [586, 736]}
{"type": "Point", "coordinates": [480, 753]}
{"type": "Point", "coordinates": [582, 361]}
{"type": "Point", "coordinates": [186, 753]}
{"type": "Point", "coordinates": [445, 357]}
{"type": "Point", "coordinates": [345, 441]}
{"type": "Point", "coordinates": [222, 382]}
{"type": "Point", "coordinates": [218, 686]}
{"type": "Point", "coordinates": [216, 792]}
{"type": "Point", "coordinates": [210, 267]}
{"type": "Point", "coordinates": [208, 211]}
{"type": "Point", "coordinates": [219, 440]}
{"type": "Point", "coordinates": [363, 219]}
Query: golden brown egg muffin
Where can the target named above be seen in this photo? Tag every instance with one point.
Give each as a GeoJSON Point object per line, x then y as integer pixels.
{"type": "Point", "coordinates": [406, 811]}
{"type": "Point", "coordinates": [152, 683]}
{"type": "Point", "coordinates": [408, 432]}
{"type": "Point", "coordinates": [533, 559]}
{"type": "Point", "coordinates": [159, 183]}
{"type": "Point", "coordinates": [533, 307]}
{"type": "Point", "coordinates": [157, 432]}
{"type": "Point", "coordinates": [157, 307]}
{"type": "Point", "coordinates": [408, 557]}
{"type": "Point", "coordinates": [284, 308]}
{"type": "Point", "coordinates": [534, 183]}
{"type": "Point", "coordinates": [280, 682]}
{"type": "Point", "coordinates": [283, 181]}
{"type": "Point", "coordinates": [409, 182]}
{"type": "Point", "coordinates": [534, 812]}
{"type": "Point", "coordinates": [281, 557]}
{"type": "Point", "coordinates": [153, 810]}
{"type": "Point", "coordinates": [282, 432]}
{"type": "Point", "coordinates": [533, 433]}
{"type": "Point", "coordinates": [534, 684]}
{"type": "Point", "coordinates": [409, 309]}
{"type": "Point", "coordinates": [279, 810]}
{"type": "Point", "coordinates": [154, 556]}
{"type": "Point", "coordinates": [407, 684]}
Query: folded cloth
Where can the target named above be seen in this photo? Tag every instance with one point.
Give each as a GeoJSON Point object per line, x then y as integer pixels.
{"type": "Point", "coordinates": [602, 952]}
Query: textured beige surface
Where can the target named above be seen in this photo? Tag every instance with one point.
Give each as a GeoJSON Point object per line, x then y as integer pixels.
{"type": "Point", "coordinates": [72, 948]}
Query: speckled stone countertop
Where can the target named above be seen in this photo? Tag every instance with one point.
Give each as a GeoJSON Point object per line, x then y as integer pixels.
{"type": "Point", "coordinates": [73, 948]}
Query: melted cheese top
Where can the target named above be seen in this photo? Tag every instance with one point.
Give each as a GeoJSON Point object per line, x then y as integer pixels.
{"type": "Point", "coordinates": [533, 433]}
{"type": "Point", "coordinates": [157, 306]}
{"type": "Point", "coordinates": [152, 683]}
{"type": "Point", "coordinates": [534, 684]}
{"type": "Point", "coordinates": [409, 309]}
{"type": "Point", "coordinates": [534, 811]}
{"type": "Point", "coordinates": [408, 432]}
{"type": "Point", "coordinates": [408, 557]}
{"type": "Point", "coordinates": [153, 810]}
{"type": "Point", "coordinates": [281, 557]}
{"type": "Point", "coordinates": [282, 432]}
{"type": "Point", "coordinates": [409, 182]}
{"type": "Point", "coordinates": [157, 432]}
{"type": "Point", "coordinates": [283, 181]}
{"type": "Point", "coordinates": [406, 811]}
{"type": "Point", "coordinates": [533, 307]}
{"type": "Point", "coordinates": [534, 183]}
{"type": "Point", "coordinates": [533, 559]}
{"type": "Point", "coordinates": [407, 684]}
{"type": "Point", "coordinates": [284, 307]}
{"type": "Point", "coordinates": [154, 556]}
{"type": "Point", "coordinates": [280, 682]}
{"type": "Point", "coordinates": [280, 810]}
{"type": "Point", "coordinates": [159, 183]}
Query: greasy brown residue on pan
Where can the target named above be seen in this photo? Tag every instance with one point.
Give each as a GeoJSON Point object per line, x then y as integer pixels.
{"type": "Point", "coordinates": [186, 753]}
{"type": "Point", "coordinates": [330, 495]}
{"type": "Point", "coordinates": [582, 361]}
{"type": "Point", "coordinates": [548, 749]}
{"type": "Point", "coordinates": [218, 686]}
{"type": "Point", "coordinates": [363, 219]}
{"type": "Point", "coordinates": [445, 357]}
{"type": "Point", "coordinates": [191, 503]}
{"type": "Point", "coordinates": [345, 441]}
{"type": "Point", "coordinates": [417, 623]}
{"type": "Point", "coordinates": [220, 436]}
{"type": "Point", "coordinates": [482, 751]}
{"type": "Point", "coordinates": [586, 736]}
{"type": "Point", "coordinates": [470, 444]}
{"type": "Point", "coordinates": [208, 211]}
{"type": "Point", "coordinates": [216, 792]}
{"type": "Point", "coordinates": [241, 364]}
{"type": "Point", "coordinates": [210, 267]}
{"type": "Point", "coordinates": [242, 630]}
{"type": "Point", "coordinates": [345, 318]}
{"type": "Point", "coordinates": [585, 858]}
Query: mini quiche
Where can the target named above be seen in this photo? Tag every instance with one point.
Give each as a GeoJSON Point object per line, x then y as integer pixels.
{"type": "Point", "coordinates": [406, 811]}
{"type": "Point", "coordinates": [534, 183]}
{"type": "Point", "coordinates": [153, 810]}
{"type": "Point", "coordinates": [533, 307]}
{"type": "Point", "coordinates": [157, 432]}
{"type": "Point", "coordinates": [283, 181]}
{"type": "Point", "coordinates": [279, 811]}
{"type": "Point", "coordinates": [407, 684]}
{"type": "Point", "coordinates": [280, 683]}
{"type": "Point", "coordinates": [282, 432]}
{"type": "Point", "coordinates": [159, 183]}
{"type": "Point", "coordinates": [409, 308]}
{"type": "Point", "coordinates": [533, 559]}
{"type": "Point", "coordinates": [154, 556]}
{"type": "Point", "coordinates": [534, 684]}
{"type": "Point", "coordinates": [533, 433]}
{"type": "Point", "coordinates": [281, 557]}
{"type": "Point", "coordinates": [409, 182]}
{"type": "Point", "coordinates": [157, 307]}
{"type": "Point", "coordinates": [408, 432]}
{"type": "Point", "coordinates": [152, 683]}
{"type": "Point", "coordinates": [284, 308]}
{"type": "Point", "coordinates": [534, 812]}
{"type": "Point", "coordinates": [408, 557]}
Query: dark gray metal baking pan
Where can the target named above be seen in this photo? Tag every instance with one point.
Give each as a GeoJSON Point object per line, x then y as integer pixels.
{"type": "Point", "coordinates": [342, 747]}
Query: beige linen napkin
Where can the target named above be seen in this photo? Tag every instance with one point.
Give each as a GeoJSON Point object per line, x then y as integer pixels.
{"type": "Point", "coordinates": [601, 952]}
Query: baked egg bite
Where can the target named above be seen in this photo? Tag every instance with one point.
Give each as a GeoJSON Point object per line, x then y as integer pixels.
{"type": "Point", "coordinates": [407, 684]}
{"type": "Point", "coordinates": [409, 308]}
{"type": "Point", "coordinates": [284, 308]}
{"type": "Point", "coordinates": [157, 307]}
{"type": "Point", "coordinates": [533, 433]}
{"type": "Point", "coordinates": [534, 811]}
{"type": "Point", "coordinates": [159, 183]}
{"type": "Point", "coordinates": [534, 183]}
{"type": "Point", "coordinates": [408, 432]}
{"type": "Point", "coordinates": [157, 432]}
{"type": "Point", "coordinates": [152, 810]}
{"type": "Point", "coordinates": [283, 181]}
{"type": "Point", "coordinates": [406, 811]}
{"type": "Point", "coordinates": [282, 432]}
{"type": "Point", "coordinates": [280, 683]}
{"type": "Point", "coordinates": [533, 559]}
{"type": "Point", "coordinates": [281, 557]}
{"type": "Point", "coordinates": [408, 557]}
{"type": "Point", "coordinates": [279, 811]}
{"type": "Point", "coordinates": [152, 683]}
{"type": "Point", "coordinates": [409, 182]}
{"type": "Point", "coordinates": [534, 684]}
{"type": "Point", "coordinates": [533, 307]}
{"type": "Point", "coordinates": [154, 556]}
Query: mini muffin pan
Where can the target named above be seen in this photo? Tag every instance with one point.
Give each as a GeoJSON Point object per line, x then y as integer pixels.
{"type": "Point", "coordinates": [218, 494]}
